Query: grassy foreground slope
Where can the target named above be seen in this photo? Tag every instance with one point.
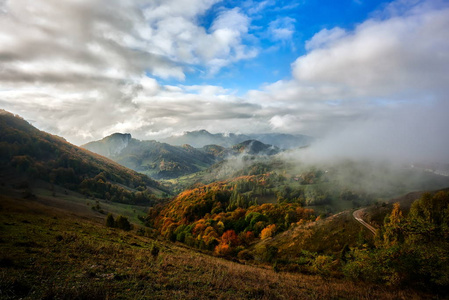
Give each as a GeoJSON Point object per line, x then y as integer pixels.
{"type": "Point", "coordinates": [48, 253]}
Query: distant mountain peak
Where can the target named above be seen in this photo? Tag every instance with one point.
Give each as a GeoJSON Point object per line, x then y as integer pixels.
{"type": "Point", "coordinates": [256, 147]}
{"type": "Point", "coordinates": [111, 145]}
{"type": "Point", "coordinates": [187, 147]}
{"type": "Point", "coordinates": [118, 135]}
{"type": "Point", "coordinates": [202, 132]}
{"type": "Point", "coordinates": [201, 138]}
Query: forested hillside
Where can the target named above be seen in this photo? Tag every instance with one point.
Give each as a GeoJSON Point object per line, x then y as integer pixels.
{"type": "Point", "coordinates": [39, 155]}
{"type": "Point", "coordinates": [222, 218]}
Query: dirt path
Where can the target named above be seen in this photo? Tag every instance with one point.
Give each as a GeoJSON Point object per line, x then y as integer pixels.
{"type": "Point", "coordinates": [358, 216]}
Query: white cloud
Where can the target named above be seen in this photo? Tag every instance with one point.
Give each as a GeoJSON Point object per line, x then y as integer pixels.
{"type": "Point", "coordinates": [282, 29]}
{"type": "Point", "coordinates": [325, 38]}
{"type": "Point", "coordinates": [79, 69]}
{"type": "Point", "coordinates": [397, 59]}
{"type": "Point", "coordinates": [283, 122]}
{"type": "Point", "coordinates": [65, 41]}
{"type": "Point", "coordinates": [175, 33]}
{"type": "Point", "coordinates": [160, 9]}
{"type": "Point", "coordinates": [383, 58]}
{"type": "Point", "coordinates": [256, 7]}
{"type": "Point", "coordinates": [379, 88]}
{"type": "Point", "coordinates": [118, 38]}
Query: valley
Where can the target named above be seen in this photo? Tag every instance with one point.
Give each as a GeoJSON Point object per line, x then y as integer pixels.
{"type": "Point", "coordinates": [313, 229]}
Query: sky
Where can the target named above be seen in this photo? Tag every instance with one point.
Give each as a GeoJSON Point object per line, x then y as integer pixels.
{"type": "Point", "coordinates": [373, 74]}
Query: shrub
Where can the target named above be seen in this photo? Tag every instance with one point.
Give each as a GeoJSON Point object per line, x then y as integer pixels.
{"type": "Point", "coordinates": [123, 223]}
{"type": "Point", "coordinates": [322, 265]}
{"type": "Point", "coordinates": [154, 250]}
{"type": "Point", "coordinates": [110, 222]}
{"type": "Point", "coordinates": [245, 255]}
{"type": "Point", "coordinates": [270, 254]}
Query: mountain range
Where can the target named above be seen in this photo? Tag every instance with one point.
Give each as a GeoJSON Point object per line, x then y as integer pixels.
{"type": "Point", "coordinates": [165, 161]}
{"type": "Point", "coordinates": [159, 160]}
{"type": "Point", "coordinates": [202, 138]}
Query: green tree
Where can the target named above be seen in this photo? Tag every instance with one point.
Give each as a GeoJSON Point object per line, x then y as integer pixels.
{"type": "Point", "coordinates": [110, 221]}
{"type": "Point", "coordinates": [123, 223]}
{"type": "Point", "coordinates": [393, 227]}
{"type": "Point", "coordinates": [427, 239]}
{"type": "Point", "coordinates": [429, 217]}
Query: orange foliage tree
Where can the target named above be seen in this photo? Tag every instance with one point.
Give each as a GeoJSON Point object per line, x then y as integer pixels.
{"type": "Point", "coordinates": [268, 231]}
{"type": "Point", "coordinates": [222, 250]}
{"type": "Point", "coordinates": [230, 238]}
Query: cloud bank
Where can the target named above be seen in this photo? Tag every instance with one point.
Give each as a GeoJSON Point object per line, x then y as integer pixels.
{"type": "Point", "coordinates": [379, 90]}
{"type": "Point", "coordinates": [86, 69]}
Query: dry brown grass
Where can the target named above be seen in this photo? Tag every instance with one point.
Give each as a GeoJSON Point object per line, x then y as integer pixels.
{"type": "Point", "coordinates": [46, 253]}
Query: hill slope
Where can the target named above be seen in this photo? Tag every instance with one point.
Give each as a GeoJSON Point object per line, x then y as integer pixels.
{"type": "Point", "coordinates": [31, 154]}
{"type": "Point", "coordinates": [72, 257]}
{"type": "Point", "coordinates": [254, 147]}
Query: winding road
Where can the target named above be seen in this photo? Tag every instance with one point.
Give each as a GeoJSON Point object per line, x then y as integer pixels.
{"type": "Point", "coordinates": [358, 216]}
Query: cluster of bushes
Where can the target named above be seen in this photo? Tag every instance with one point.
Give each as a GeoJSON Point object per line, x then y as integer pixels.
{"type": "Point", "coordinates": [306, 262]}
{"type": "Point", "coordinates": [121, 222]}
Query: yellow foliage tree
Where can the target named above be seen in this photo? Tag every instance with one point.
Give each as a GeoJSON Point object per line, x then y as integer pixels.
{"type": "Point", "coordinates": [268, 231]}
{"type": "Point", "coordinates": [393, 227]}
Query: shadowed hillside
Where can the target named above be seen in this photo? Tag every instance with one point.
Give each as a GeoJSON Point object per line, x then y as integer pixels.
{"type": "Point", "coordinates": [29, 154]}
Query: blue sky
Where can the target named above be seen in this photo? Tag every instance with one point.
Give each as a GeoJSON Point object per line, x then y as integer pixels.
{"type": "Point", "coordinates": [303, 18]}
{"type": "Point", "coordinates": [370, 74]}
